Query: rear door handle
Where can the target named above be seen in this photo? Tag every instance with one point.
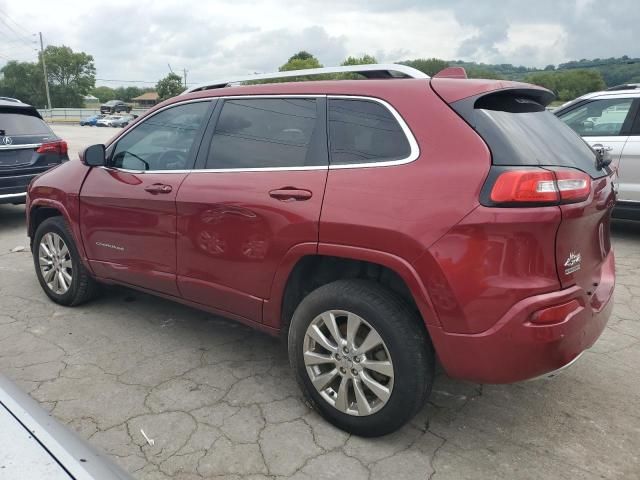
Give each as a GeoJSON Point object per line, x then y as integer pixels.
{"type": "Point", "coordinates": [290, 194]}
{"type": "Point", "coordinates": [158, 188]}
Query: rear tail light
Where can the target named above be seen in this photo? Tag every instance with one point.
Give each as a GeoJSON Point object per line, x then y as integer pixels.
{"type": "Point", "coordinates": [59, 147]}
{"type": "Point", "coordinates": [556, 314]}
{"type": "Point", "coordinates": [536, 186]}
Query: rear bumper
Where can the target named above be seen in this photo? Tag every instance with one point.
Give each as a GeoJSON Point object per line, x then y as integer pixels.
{"type": "Point", "coordinates": [14, 185]}
{"type": "Point", "coordinates": [515, 349]}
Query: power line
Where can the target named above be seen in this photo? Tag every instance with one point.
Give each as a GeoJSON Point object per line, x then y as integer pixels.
{"type": "Point", "coordinates": [15, 23]}
{"type": "Point", "coordinates": [18, 35]}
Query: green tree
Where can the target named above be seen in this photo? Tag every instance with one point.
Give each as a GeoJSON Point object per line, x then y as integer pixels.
{"type": "Point", "coordinates": [24, 81]}
{"type": "Point", "coordinates": [170, 86]}
{"type": "Point", "coordinates": [364, 60]}
{"type": "Point", "coordinates": [568, 84]}
{"type": "Point", "coordinates": [430, 66]}
{"type": "Point", "coordinates": [300, 61]}
{"type": "Point", "coordinates": [71, 75]}
{"type": "Point", "coordinates": [479, 72]}
{"type": "Point", "coordinates": [104, 94]}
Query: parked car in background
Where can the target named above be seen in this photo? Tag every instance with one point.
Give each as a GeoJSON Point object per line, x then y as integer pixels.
{"type": "Point", "coordinates": [115, 106]}
{"type": "Point", "coordinates": [27, 147]}
{"type": "Point", "coordinates": [123, 121]}
{"type": "Point", "coordinates": [92, 120]}
{"type": "Point", "coordinates": [107, 120]}
{"type": "Point", "coordinates": [10, 99]}
{"type": "Point", "coordinates": [35, 446]}
{"type": "Point", "coordinates": [609, 121]}
{"type": "Point", "coordinates": [375, 224]}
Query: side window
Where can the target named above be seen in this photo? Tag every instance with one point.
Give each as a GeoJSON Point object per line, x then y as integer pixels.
{"type": "Point", "coordinates": [364, 131]}
{"type": "Point", "coordinates": [266, 133]}
{"type": "Point", "coordinates": [163, 141]}
{"type": "Point", "coordinates": [599, 117]}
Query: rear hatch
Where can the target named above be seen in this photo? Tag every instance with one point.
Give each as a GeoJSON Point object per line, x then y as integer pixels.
{"type": "Point", "coordinates": [539, 161]}
{"type": "Point", "coordinates": [22, 133]}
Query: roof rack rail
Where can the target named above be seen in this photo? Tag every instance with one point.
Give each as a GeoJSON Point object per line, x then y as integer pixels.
{"type": "Point", "coordinates": [368, 71]}
{"type": "Point", "coordinates": [624, 86]}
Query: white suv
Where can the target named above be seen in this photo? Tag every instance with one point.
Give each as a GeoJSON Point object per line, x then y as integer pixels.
{"type": "Point", "coordinates": [610, 120]}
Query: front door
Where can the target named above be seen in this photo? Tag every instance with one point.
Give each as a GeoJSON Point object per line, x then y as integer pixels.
{"type": "Point", "coordinates": [128, 209]}
{"type": "Point", "coordinates": [258, 194]}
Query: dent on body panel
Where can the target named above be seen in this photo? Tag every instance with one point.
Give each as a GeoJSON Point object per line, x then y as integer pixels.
{"type": "Point", "coordinates": [484, 265]}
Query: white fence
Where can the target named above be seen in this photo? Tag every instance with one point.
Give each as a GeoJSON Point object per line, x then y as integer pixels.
{"type": "Point", "coordinates": [75, 114]}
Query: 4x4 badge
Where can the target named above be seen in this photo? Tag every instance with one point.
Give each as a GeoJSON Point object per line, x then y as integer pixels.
{"type": "Point", "coordinates": [573, 263]}
{"type": "Point", "coordinates": [7, 140]}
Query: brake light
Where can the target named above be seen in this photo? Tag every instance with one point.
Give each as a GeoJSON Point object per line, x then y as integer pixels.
{"type": "Point", "coordinates": [539, 186]}
{"type": "Point", "coordinates": [60, 147]}
{"type": "Point", "coordinates": [524, 186]}
{"type": "Point", "coordinates": [555, 314]}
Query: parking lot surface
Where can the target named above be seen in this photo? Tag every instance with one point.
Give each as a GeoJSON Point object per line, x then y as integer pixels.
{"type": "Point", "coordinates": [219, 401]}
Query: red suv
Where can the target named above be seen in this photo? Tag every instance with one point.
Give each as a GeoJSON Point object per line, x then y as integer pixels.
{"type": "Point", "coordinates": [374, 223]}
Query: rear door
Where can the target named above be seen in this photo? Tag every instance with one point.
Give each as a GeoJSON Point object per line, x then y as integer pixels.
{"type": "Point", "coordinates": [629, 170]}
{"type": "Point", "coordinates": [257, 194]}
{"type": "Point", "coordinates": [605, 122]}
{"type": "Point", "coordinates": [128, 209]}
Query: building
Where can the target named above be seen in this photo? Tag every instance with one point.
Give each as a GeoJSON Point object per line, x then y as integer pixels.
{"type": "Point", "coordinates": [90, 101]}
{"type": "Point", "coordinates": [146, 100]}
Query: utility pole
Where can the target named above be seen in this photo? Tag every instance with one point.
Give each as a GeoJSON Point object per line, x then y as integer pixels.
{"type": "Point", "coordinates": [184, 71]}
{"type": "Point", "coordinates": [44, 68]}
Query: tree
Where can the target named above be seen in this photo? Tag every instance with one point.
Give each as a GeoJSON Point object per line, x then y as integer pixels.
{"type": "Point", "coordinates": [104, 94]}
{"type": "Point", "coordinates": [170, 86]}
{"type": "Point", "coordinates": [568, 84]}
{"type": "Point", "coordinates": [300, 61]}
{"type": "Point", "coordinates": [430, 66]}
{"type": "Point", "coordinates": [71, 75]}
{"type": "Point", "coordinates": [363, 60]}
{"type": "Point", "coordinates": [24, 81]}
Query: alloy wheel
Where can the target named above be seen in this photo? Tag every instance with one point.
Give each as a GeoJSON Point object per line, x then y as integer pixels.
{"type": "Point", "coordinates": [348, 363]}
{"type": "Point", "coordinates": [55, 263]}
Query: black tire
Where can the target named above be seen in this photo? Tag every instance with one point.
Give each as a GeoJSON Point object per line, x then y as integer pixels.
{"type": "Point", "coordinates": [406, 340]}
{"type": "Point", "coordinates": [83, 287]}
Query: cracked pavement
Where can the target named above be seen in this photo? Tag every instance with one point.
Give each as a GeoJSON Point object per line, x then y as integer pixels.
{"type": "Point", "coordinates": [219, 401]}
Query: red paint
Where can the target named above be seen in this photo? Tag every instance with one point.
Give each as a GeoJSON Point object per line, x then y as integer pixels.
{"type": "Point", "coordinates": [227, 242]}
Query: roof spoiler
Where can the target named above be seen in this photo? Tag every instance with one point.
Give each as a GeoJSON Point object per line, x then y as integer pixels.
{"type": "Point", "coordinates": [452, 72]}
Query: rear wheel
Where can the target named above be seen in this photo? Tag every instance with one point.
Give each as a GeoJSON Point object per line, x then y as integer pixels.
{"type": "Point", "coordinates": [361, 356]}
{"type": "Point", "coordinates": [59, 269]}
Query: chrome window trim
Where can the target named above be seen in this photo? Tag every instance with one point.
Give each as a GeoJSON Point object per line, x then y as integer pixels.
{"type": "Point", "coordinates": [413, 144]}
{"type": "Point", "coordinates": [20, 147]}
{"type": "Point", "coordinates": [414, 152]}
{"type": "Point", "coordinates": [13, 195]}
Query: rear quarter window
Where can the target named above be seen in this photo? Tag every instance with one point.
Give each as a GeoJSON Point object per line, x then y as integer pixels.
{"type": "Point", "coordinates": [364, 131]}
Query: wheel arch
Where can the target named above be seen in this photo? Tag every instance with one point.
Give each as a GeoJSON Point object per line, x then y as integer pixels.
{"type": "Point", "coordinates": [306, 268]}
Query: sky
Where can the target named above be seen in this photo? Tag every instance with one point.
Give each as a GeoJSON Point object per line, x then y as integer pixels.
{"type": "Point", "coordinates": [139, 40]}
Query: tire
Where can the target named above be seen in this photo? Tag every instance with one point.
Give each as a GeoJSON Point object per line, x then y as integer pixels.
{"type": "Point", "coordinates": [82, 286]}
{"type": "Point", "coordinates": [404, 342]}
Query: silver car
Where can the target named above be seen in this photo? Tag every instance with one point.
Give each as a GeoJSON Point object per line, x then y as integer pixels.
{"type": "Point", "coordinates": [610, 121]}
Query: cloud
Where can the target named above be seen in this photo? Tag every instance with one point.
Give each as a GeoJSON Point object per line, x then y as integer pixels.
{"type": "Point", "coordinates": [136, 40]}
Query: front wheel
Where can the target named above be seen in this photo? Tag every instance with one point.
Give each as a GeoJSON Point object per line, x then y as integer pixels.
{"type": "Point", "coordinates": [361, 356]}
{"type": "Point", "coordinates": [59, 268]}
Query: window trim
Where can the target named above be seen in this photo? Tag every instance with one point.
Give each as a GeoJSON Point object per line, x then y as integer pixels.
{"type": "Point", "coordinates": [414, 153]}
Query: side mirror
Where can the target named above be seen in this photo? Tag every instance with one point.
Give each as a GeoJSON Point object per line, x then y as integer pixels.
{"type": "Point", "coordinates": [93, 156]}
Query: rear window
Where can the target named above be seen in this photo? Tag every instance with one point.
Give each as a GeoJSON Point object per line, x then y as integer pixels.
{"type": "Point", "coordinates": [13, 123]}
{"type": "Point", "coordinates": [520, 131]}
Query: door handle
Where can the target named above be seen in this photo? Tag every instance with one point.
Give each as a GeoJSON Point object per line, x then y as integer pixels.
{"type": "Point", "coordinates": [158, 188]}
{"type": "Point", "coordinates": [290, 194]}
